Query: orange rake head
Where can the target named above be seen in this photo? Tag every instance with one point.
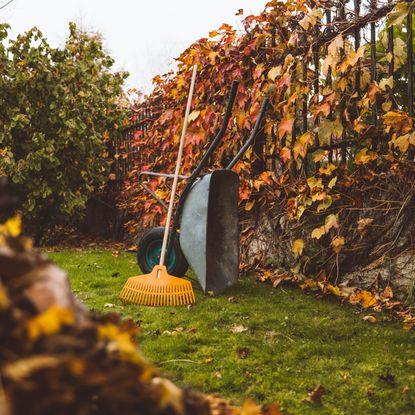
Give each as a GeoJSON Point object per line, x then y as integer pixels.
{"type": "Point", "coordinates": [157, 289]}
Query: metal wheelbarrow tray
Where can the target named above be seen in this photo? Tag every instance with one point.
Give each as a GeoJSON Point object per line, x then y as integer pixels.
{"type": "Point", "coordinates": [206, 218]}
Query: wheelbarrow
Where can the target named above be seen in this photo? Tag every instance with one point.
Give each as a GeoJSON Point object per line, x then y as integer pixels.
{"type": "Point", "coordinates": [205, 229]}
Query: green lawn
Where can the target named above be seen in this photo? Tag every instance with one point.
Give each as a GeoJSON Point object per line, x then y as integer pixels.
{"type": "Point", "coordinates": [293, 342]}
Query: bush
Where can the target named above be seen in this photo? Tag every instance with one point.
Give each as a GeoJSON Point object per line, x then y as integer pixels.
{"type": "Point", "coordinates": [58, 109]}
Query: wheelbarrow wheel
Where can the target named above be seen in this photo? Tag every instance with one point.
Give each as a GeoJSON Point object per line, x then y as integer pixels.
{"type": "Point", "coordinates": [149, 249]}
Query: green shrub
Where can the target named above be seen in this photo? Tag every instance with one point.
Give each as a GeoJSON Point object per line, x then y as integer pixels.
{"type": "Point", "coordinates": [58, 109]}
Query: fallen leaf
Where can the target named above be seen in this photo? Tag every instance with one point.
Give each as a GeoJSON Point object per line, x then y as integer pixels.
{"type": "Point", "coordinates": [20, 369]}
{"type": "Point", "coordinates": [242, 352]}
{"type": "Point", "coordinates": [362, 223]}
{"type": "Point", "coordinates": [370, 319]}
{"type": "Point", "coordinates": [315, 395]}
{"type": "Point", "coordinates": [388, 377]}
{"type": "Point", "coordinates": [387, 293]}
{"type": "Point", "coordinates": [249, 407]}
{"type": "Point", "coordinates": [49, 322]}
{"type": "Point", "coordinates": [238, 328]}
{"type": "Point", "coordinates": [335, 290]}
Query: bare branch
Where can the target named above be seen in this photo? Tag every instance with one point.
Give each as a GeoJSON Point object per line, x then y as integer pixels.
{"type": "Point", "coordinates": [5, 5]}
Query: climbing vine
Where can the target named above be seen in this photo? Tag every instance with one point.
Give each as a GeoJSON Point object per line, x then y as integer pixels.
{"type": "Point", "coordinates": [333, 167]}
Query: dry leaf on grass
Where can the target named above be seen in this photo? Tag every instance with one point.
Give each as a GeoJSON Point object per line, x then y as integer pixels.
{"type": "Point", "coordinates": [315, 395]}
{"type": "Point", "coordinates": [238, 328]}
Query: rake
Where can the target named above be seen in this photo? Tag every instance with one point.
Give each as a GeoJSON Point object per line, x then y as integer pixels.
{"type": "Point", "coordinates": [158, 288]}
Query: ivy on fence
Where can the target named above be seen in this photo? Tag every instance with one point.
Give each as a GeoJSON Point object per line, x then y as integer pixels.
{"type": "Point", "coordinates": [336, 151]}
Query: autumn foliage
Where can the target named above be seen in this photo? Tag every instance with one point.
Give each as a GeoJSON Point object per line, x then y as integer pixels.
{"type": "Point", "coordinates": [332, 172]}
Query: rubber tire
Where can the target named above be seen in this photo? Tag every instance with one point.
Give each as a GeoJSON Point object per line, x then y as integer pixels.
{"type": "Point", "coordinates": [149, 237]}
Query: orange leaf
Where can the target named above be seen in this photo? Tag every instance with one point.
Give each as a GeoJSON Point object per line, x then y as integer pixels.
{"type": "Point", "coordinates": [285, 154]}
{"type": "Point", "coordinates": [285, 126]}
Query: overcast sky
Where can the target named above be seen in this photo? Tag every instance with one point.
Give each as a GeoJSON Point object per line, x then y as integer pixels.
{"type": "Point", "coordinates": [143, 36]}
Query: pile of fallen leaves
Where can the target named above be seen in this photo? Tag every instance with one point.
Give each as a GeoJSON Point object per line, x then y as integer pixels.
{"type": "Point", "coordinates": [56, 357]}
{"type": "Point", "coordinates": [376, 300]}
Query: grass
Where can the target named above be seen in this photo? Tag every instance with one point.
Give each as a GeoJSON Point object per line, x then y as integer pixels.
{"type": "Point", "coordinates": [293, 342]}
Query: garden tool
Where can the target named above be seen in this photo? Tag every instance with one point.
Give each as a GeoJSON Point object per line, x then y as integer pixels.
{"type": "Point", "coordinates": [158, 288]}
{"type": "Point", "coordinates": [205, 229]}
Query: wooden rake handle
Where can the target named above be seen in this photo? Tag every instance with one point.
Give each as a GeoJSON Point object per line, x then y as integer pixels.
{"type": "Point", "coordinates": [178, 163]}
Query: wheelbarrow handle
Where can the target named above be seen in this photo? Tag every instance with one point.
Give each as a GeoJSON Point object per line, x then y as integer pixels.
{"type": "Point", "coordinates": [149, 191]}
{"type": "Point", "coordinates": [213, 146]}
{"type": "Point", "coordinates": [252, 136]}
{"type": "Point", "coordinates": [195, 174]}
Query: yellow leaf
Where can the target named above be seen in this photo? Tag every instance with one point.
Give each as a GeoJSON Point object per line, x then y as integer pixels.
{"type": "Point", "coordinates": [194, 115]}
{"type": "Point", "coordinates": [351, 59]}
{"type": "Point", "coordinates": [332, 182]}
{"type": "Point", "coordinates": [308, 283]}
{"type": "Point", "coordinates": [329, 129]}
{"type": "Point", "coordinates": [250, 408]}
{"type": "Point", "coordinates": [328, 170]}
{"type": "Point", "coordinates": [301, 144]}
{"type": "Point", "coordinates": [404, 141]}
{"type": "Point", "coordinates": [318, 232]}
{"type": "Point", "coordinates": [212, 57]}
{"type": "Point", "coordinates": [4, 299]}
{"type": "Point", "coordinates": [367, 299]}
{"type": "Point", "coordinates": [49, 322]}
{"type": "Point", "coordinates": [314, 183]}
{"type": "Point", "coordinates": [249, 205]}
{"type": "Point", "coordinates": [325, 204]}
{"type": "Point", "coordinates": [12, 227]}
{"type": "Point", "coordinates": [23, 368]}
{"type": "Point", "coordinates": [335, 290]}
{"type": "Point", "coordinates": [298, 247]}
{"type": "Point", "coordinates": [169, 395]}
{"type": "Point", "coordinates": [274, 72]}
{"type": "Point", "coordinates": [300, 211]}
{"type": "Point", "coordinates": [162, 194]}
{"type": "Point", "coordinates": [398, 14]}
{"type": "Point", "coordinates": [337, 243]}
{"type": "Point", "coordinates": [387, 82]}
{"type": "Point", "coordinates": [319, 155]}
{"type": "Point", "coordinates": [398, 121]}
{"type": "Point", "coordinates": [331, 222]}
{"type": "Point", "coordinates": [336, 45]}
{"type": "Point", "coordinates": [370, 319]}
{"type": "Point", "coordinates": [386, 106]}
{"type": "Point", "coordinates": [364, 156]}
